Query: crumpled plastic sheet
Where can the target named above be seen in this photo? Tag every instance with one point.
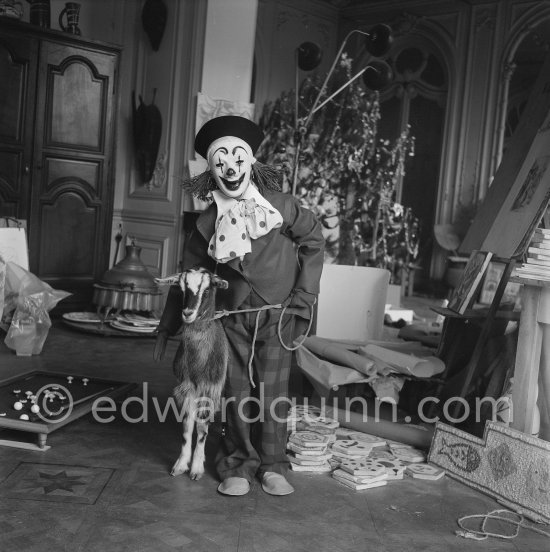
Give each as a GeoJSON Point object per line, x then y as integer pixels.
{"type": "Point", "coordinates": [30, 300]}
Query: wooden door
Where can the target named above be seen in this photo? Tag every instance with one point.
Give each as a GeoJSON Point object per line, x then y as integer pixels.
{"type": "Point", "coordinates": [72, 186]}
{"type": "Point", "coordinates": [18, 61]}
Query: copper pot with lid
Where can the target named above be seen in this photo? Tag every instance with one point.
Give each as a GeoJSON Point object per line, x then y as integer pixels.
{"type": "Point", "coordinates": [128, 285]}
{"type": "Point", "coordinates": [130, 273]}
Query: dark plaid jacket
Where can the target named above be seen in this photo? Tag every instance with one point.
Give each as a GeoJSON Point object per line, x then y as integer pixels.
{"type": "Point", "coordinates": [285, 260]}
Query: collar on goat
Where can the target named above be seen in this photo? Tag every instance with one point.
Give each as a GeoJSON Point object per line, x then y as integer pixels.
{"type": "Point", "coordinates": [194, 283]}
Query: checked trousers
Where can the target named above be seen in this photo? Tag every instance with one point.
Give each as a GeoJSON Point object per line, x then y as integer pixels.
{"type": "Point", "coordinates": [255, 428]}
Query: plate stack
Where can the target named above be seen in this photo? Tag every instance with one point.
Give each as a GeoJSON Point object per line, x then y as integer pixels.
{"type": "Point", "coordinates": [130, 322]}
{"type": "Point", "coordinates": [537, 265]}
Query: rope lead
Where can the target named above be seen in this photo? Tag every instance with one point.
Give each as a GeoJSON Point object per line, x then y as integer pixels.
{"type": "Point", "coordinates": [221, 314]}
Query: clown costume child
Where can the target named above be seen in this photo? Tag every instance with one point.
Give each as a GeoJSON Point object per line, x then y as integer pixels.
{"type": "Point", "coordinates": [270, 250]}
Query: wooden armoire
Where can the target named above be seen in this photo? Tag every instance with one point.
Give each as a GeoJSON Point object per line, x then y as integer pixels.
{"type": "Point", "coordinates": [58, 97]}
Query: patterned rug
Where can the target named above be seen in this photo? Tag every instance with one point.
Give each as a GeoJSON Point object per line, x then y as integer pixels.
{"type": "Point", "coordinates": [507, 464]}
{"type": "Point", "coordinates": [56, 483]}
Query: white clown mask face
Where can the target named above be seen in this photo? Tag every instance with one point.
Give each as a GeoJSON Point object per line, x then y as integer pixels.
{"type": "Point", "coordinates": [230, 160]}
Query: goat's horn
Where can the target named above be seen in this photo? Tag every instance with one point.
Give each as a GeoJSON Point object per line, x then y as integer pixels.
{"type": "Point", "coordinates": [173, 279]}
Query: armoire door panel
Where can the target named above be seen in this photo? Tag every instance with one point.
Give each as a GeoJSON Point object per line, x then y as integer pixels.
{"type": "Point", "coordinates": [57, 128]}
{"type": "Point", "coordinates": [76, 121]}
{"type": "Point", "coordinates": [12, 92]}
{"type": "Point", "coordinates": [81, 174]}
{"type": "Point", "coordinates": [18, 64]}
{"type": "Point", "coordinates": [11, 168]}
{"type": "Point", "coordinates": [73, 201]}
{"type": "Point", "coordinates": [17, 68]}
{"type": "Point", "coordinates": [68, 239]}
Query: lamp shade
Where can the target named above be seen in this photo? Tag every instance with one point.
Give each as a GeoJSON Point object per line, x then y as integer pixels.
{"type": "Point", "coordinates": [379, 40]}
{"type": "Point", "coordinates": [309, 56]}
{"type": "Point", "coordinates": [377, 75]}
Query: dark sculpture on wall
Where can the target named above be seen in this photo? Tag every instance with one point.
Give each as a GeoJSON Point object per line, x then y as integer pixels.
{"type": "Point", "coordinates": [147, 123]}
{"type": "Point", "coordinates": [153, 19]}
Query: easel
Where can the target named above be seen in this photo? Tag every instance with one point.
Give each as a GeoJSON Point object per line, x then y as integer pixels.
{"type": "Point", "coordinates": [513, 207]}
{"type": "Point", "coordinates": [450, 344]}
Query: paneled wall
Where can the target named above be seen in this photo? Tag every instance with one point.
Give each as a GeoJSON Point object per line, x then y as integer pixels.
{"type": "Point", "coordinates": [149, 212]}
{"type": "Point", "coordinates": [246, 62]}
{"type": "Point", "coordinates": [477, 41]}
{"type": "Point", "coordinates": [282, 26]}
{"type": "Point", "coordinates": [207, 48]}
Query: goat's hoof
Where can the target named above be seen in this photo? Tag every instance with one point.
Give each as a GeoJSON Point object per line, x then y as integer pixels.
{"type": "Point", "coordinates": [178, 471]}
{"type": "Point", "coordinates": [195, 476]}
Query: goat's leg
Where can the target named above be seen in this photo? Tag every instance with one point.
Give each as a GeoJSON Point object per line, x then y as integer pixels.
{"type": "Point", "coordinates": [197, 467]}
{"type": "Point", "coordinates": [182, 463]}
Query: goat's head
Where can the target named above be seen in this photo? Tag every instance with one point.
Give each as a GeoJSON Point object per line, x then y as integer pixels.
{"type": "Point", "coordinates": [198, 288]}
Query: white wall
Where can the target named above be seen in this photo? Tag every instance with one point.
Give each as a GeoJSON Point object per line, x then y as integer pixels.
{"type": "Point", "coordinates": [228, 49]}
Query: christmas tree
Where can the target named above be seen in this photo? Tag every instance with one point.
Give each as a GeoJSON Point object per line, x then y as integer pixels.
{"type": "Point", "coordinates": [345, 173]}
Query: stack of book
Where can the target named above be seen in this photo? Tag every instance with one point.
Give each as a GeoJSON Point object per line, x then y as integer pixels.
{"type": "Point", "coordinates": [308, 452]}
{"type": "Point", "coordinates": [537, 265]}
{"type": "Point", "coordinates": [361, 474]}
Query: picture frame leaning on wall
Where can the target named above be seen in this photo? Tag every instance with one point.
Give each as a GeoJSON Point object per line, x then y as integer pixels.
{"type": "Point", "coordinates": [519, 195]}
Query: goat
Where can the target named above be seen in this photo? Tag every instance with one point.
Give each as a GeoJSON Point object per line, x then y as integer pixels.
{"type": "Point", "coordinates": [200, 364]}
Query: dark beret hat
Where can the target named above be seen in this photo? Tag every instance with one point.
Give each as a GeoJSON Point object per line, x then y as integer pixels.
{"type": "Point", "coordinates": [228, 125]}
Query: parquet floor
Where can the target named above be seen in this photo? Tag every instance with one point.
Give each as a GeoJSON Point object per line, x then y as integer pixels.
{"type": "Point", "coordinates": [106, 486]}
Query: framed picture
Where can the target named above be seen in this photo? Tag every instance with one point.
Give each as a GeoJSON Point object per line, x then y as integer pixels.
{"type": "Point", "coordinates": [492, 278]}
{"type": "Point", "coordinates": [470, 281]}
{"type": "Point", "coordinates": [520, 193]}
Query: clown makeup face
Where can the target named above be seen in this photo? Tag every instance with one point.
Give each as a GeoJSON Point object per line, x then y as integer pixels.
{"type": "Point", "coordinates": [230, 160]}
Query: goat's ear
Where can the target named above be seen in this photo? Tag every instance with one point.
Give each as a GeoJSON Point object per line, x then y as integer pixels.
{"type": "Point", "coordinates": [173, 279]}
{"type": "Point", "coordinates": [219, 282]}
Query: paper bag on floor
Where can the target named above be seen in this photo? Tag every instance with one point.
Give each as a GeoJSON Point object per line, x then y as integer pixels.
{"type": "Point", "coordinates": [13, 245]}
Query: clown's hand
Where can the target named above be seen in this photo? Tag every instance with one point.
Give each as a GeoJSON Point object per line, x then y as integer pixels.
{"type": "Point", "coordinates": [300, 303]}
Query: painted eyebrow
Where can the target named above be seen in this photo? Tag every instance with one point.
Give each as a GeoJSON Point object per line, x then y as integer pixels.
{"type": "Point", "coordinates": [223, 149]}
{"type": "Point", "coordinates": [236, 148]}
